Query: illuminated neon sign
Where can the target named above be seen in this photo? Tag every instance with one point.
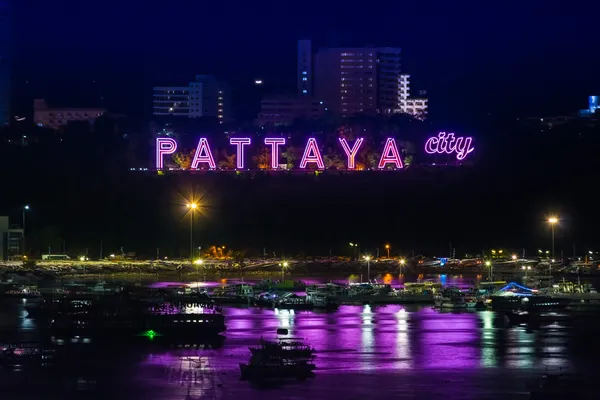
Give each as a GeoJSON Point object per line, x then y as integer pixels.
{"type": "Point", "coordinates": [351, 153]}
{"type": "Point", "coordinates": [203, 155]}
{"type": "Point", "coordinates": [312, 155]}
{"type": "Point", "coordinates": [390, 155]}
{"type": "Point", "coordinates": [274, 143]}
{"type": "Point", "coordinates": [443, 143]}
{"type": "Point", "coordinates": [239, 144]}
{"type": "Point", "coordinates": [446, 143]}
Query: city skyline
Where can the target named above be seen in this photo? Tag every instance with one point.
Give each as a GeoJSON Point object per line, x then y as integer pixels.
{"type": "Point", "coordinates": [456, 55]}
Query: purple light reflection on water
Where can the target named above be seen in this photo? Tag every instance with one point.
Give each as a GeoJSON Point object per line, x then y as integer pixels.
{"type": "Point", "coordinates": [449, 341]}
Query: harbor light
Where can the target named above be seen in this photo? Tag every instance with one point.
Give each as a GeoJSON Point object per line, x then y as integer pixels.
{"type": "Point", "coordinates": [402, 261]}
{"type": "Point", "coordinates": [199, 261]}
{"type": "Point", "coordinates": [514, 257]}
{"type": "Point", "coordinates": [82, 258]}
{"type": "Point", "coordinates": [285, 264]}
{"type": "Point", "coordinates": [488, 263]}
{"type": "Point", "coordinates": [553, 220]}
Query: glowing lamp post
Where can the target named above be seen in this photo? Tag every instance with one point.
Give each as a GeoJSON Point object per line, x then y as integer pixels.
{"type": "Point", "coordinates": [368, 259]}
{"type": "Point", "coordinates": [25, 209]}
{"type": "Point", "coordinates": [387, 247]}
{"type": "Point", "coordinates": [552, 221]}
{"type": "Point", "coordinates": [284, 265]}
{"type": "Point", "coordinates": [402, 264]}
{"type": "Point", "coordinates": [192, 207]}
{"type": "Point", "coordinates": [490, 266]}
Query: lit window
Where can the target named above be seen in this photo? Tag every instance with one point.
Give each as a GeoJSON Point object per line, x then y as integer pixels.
{"type": "Point", "coordinates": [304, 73]}
{"type": "Point", "coordinates": [305, 79]}
{"type": "Point", "coordinates": [304, 91]}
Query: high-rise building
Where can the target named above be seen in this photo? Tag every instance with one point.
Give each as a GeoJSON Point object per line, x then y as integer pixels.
{"type": "Point", "coordinates": [5, 51]}
{"type": "Point", "coordinates": [205, 97]}
{"type": "Point", "coordinates": [358, 80]}
{"type": "Point", "coordinates": [364, 80]}
{"type": "Point", "coordinates": [304, 71]}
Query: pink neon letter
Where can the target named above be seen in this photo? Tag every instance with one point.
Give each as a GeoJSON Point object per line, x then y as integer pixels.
{"type": "Point", "coordinates": [448, 144]}
{"type": "Point", "coordinates": [312, 154]}
{"type": "Point", "coordinates": [164, 146]}
{"type": "Point", "coordinates": [351, 153]}
{"type": "Point", "coordinates": [239, 144]}
{"type": "Point", "coordinates": [203, 155]}
{"type": "Point", "coordinates": [274, 143]}
{"type": "Point", "coordinates": [394, 157]}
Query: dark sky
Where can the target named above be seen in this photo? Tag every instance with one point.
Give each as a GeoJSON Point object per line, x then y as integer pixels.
{"type": "Point", "coordinates": [531, 57]}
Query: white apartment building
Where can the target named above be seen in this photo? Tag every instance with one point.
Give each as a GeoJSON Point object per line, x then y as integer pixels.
{"type": "Point", "coordinates": [205, 97]}
{"type": "Point", "coordinates": [416, 107]}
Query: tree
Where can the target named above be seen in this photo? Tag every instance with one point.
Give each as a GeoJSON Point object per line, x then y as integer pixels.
{"type": "Point", "coordinates": [184, 159]}
{"type": "Point", "coordinates": [262, 159]}
{"type": "Point", "coordinates": [227, 160]}
{"type": "Point", "coordinates": [292, 155]}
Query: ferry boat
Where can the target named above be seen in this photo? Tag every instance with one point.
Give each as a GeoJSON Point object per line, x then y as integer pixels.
{"type": "Point", "coordinates": [166, 320]}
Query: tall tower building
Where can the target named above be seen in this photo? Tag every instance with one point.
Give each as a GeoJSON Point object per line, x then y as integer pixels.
{"type": "Point", "coordinates": [5, 51]}
{"type": "Point", "coordinates": [361, 80]}
{"type": "Point", "coordinates": [304, 73]}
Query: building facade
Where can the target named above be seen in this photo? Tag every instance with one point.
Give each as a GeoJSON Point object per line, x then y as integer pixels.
{"type": "Point", "coordinates": [284, 110]}
{"type": "Point", "coordinates": [56, 118]}
{"type": "Point", "coordinates": [11, 239]}
{"type": "Point", "coordinates": [205, 97]}
{"type": "Point", "coordinates": [5, 61]}
{"type": "Point", "coordinates": [364, 80]}
{"type": "Point", "coordinates": [358, 80]}
{"type": "Point", "coordinates": [417, 107]}
{"type": "Point", "coordinates": [304, 74]}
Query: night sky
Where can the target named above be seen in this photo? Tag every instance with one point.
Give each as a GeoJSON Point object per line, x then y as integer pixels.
{"type": "Point", "coordinates": [513, 57]}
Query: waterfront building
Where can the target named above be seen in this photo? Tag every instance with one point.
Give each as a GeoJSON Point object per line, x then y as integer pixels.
{"type": "Point", "coordinates": [11, 239]}
{"type": "Point", "coordinates": [205, 97]}
{"type": "Point", "coordinates": [56, 118]}
{"type": "Point", "coordinates": [284, 110]}
{"type": "Point", "coordinates": [5, 51]}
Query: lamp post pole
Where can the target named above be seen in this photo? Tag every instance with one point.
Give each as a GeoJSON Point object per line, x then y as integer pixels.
{"type": "Point", "coordinates": [25, 209]}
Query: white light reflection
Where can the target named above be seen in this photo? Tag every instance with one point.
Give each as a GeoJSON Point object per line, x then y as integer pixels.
{"type": "Point", "coordinates": [488, 339]}
{"type": "Point", "coordinates": [403, 353]}
{"type": "Point", "coordinates": [285, 318]}
{"type": "Point", "coordinates": [367, 336]}
{"type": "Point", "coordinates": [522, 354]}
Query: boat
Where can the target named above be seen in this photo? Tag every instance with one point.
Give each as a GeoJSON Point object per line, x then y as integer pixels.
{"type": "Point", "coordinates": [21, 291]}
{"type": "Point", "coordinates": [454, 298]}
{"type": "Point", "coordinates": [285, 349]}
{"type": "Point", "coordinates": [514, 297]}
{"type": "Point", "coordinates": [133, 319]}
{"type": "Point", "coordinates": [278, 361]}
{"type": "Point", "coordinates": [233, 294]}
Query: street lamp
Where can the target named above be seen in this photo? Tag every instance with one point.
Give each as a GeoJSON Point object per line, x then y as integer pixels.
{"type": "Point", "coordinates": [552, 221]}
{"type": "Point", "coordinates": [25, 209]}
{"type": "Point", "coordinates": [284, 265]}
{"type": "Point", "coordinates": [402, 263]}
{"type": "Point", "coordinates": [368, 259]}
{"type": "Point", "coordinates": [387, 247]}
{"type": "Point", "coordinates": [489, 265]}
{"type": "Point", "coordinates": [193, 207]}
